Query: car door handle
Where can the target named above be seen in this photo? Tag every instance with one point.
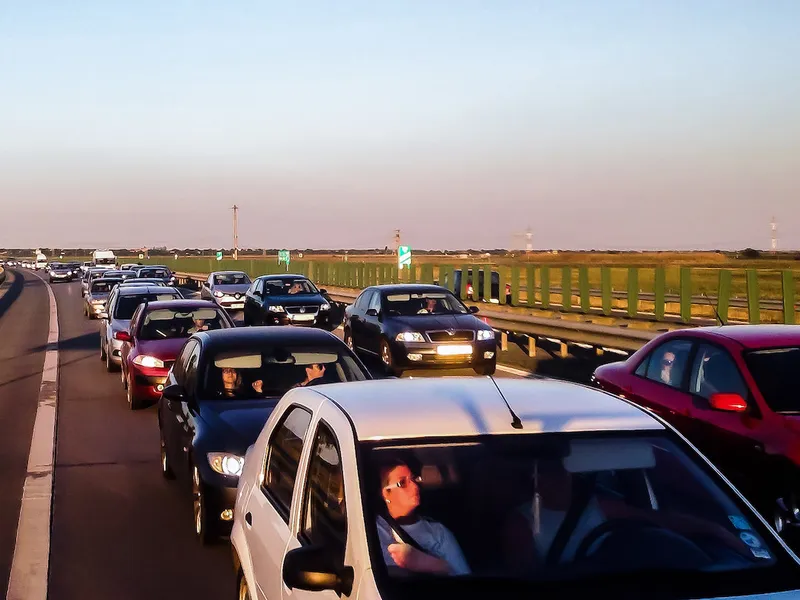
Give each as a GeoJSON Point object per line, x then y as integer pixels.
{"type": "Point", "coordinates": [248, 518]}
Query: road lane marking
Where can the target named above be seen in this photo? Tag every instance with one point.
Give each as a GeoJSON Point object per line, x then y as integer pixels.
{"type": "Point", "coordinates": [31, 562]}
{"type": "Point", "coordinates": [514, 371]}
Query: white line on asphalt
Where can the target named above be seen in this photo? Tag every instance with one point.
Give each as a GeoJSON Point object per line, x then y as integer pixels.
{"type": "Point", "coordinates": [513, 371]}
{"type": "Point", "coordinates": [29, 568]}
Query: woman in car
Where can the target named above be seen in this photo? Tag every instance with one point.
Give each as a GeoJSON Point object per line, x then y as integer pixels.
{"type": "Point", "coordinates": [437, 551]}
{"type": "Point", "coordinates": [233, 385]}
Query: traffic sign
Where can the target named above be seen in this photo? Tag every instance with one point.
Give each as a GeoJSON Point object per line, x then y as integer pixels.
{"type": "Point", "coordinates": [403, 256]}
{"type": "Point", "coordinates": [284, 256]}
{"type": "Point", "coordinates": [219, 255]}
{"type": "Point", "coordinates": [141, 256]}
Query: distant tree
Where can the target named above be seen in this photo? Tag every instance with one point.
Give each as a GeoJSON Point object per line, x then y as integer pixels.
{"type": "Point", "coordinates": [750, 253]}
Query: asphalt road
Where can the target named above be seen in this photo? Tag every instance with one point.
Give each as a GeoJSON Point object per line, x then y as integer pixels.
{"type": "Point", "coordinates": [119, 530]}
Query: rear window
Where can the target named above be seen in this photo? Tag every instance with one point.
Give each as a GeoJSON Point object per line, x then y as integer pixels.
{"type": "Point", "coordinates": [156, 273]}
{"type": "Point", "coordinates": [164, 323]}
{"type": "Point", "coordinates": [103, 287]}
{"type": "Point", "coordinates": [771, 369]}
{"type": "Point", "coordinates": [126, 305]}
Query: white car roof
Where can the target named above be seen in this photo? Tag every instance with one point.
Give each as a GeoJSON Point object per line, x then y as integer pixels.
{"type": "Point", "coordinates": [469, 406]}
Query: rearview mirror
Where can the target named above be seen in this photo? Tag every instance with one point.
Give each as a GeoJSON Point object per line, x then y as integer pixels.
{"type": "Point", "coordinates": [323, 292]}
{"type": "Point", "coordinates": [728, 402]}
{"type": "Point", "coordinates": [313, 568]}
{"type": "Point", "coordinates": [473, 309]}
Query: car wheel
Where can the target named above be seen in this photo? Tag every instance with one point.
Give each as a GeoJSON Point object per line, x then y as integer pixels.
{"type": "Point", "coordinates": [124, 378]}
{"type": "Point", "coordinates": [134, 403]}
{"type": "Point", "coordinates": [486, 369]}
{"type": "Point", "coordinates": [202, 525]}
{"type": "Point", "coordinates": [102, 350]}
{"type": "Point", "coordinates": [388, 360]}
{"type": "Point", "coordinates": [166, 468]}
{"type": "Point", "coordinates": [110, 366]}
{"type": "Point", "coordinates": [244, 590]}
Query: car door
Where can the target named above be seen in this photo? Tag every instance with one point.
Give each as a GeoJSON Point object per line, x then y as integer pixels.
{"type": "Point", "coordinates": [371, 325]}
{"type": "Point", "coordinates": [252, 302]}
{"type": "Point", "coordinates": [186, 418]}
{"type": "Point", "coordinates": [732, 440]}
{"type": "Point", "coordinates": [323, 508]}
{"type": "Point", "coordinates": [661, 384]}
{"type": "Point", "coordinates": [106, 321]}
{"type": "Point", "coordinates": [125, 350]}
{"type": "Point", "coordinates": [172, 413]}
{"type": "Point", "coordinates": [268, 509]}
{"type": "Point", "coordinates": [357, 317]}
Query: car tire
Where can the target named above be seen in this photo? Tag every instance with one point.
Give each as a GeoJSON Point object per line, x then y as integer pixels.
{"type": "Point", "coordinates": [110, 366]}
{"type": "Point", "coordinates": [387, 360]}
{"type": "Point", "coordinates": [166, 467]}
{"type": "Point", "coordinates": [134, 403]}
{"type": "Point", "coordinates": [243, 592]}
{"type": "Point", "coordinates": [202, 521]}
{"type": "Point", "coordinates": [102, 350]}
{"type": "Point", "coordinates": [486, 369]}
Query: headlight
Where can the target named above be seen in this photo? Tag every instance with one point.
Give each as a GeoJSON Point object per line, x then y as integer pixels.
{"type": "Point", "coordinates": [409, 336]}
{"type": "Point", "coordinates": [150, 362]}
{"type": "Point", "coordinates": [276, 308]}
{"type": "Point", "coordinates": [218, 294]}
{"type": "Point", "coordinates": [225, 463]}
{"type": "Point", "coordinates": [324, 306]}
{"type": "Point", "coordinates": [485, 334]}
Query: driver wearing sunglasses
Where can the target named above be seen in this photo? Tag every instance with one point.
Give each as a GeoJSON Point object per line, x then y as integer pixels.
{"type": "Point", "coordinates": [667, 364]}
{"type": "Point", "coordinates": [437, 550]}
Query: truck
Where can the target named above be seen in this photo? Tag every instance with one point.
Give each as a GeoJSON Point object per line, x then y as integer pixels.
{"type": "Point", "coordinates": [41, 261]}
{"type": "Point", "coordinates": [104, 259]}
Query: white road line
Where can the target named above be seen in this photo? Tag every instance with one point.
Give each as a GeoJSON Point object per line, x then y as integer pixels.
{"type": "Point", "coordinates": [29, 568]}
{"type": "Point", "coordinates": [513, 370]}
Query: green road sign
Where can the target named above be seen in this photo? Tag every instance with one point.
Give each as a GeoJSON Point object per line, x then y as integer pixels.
{"type": "Point", "coordinates": [284, 256]}
{"type": "Point", "coordinates": [219, 255]}
{"type": "Point", "coordinates": [403, 256]}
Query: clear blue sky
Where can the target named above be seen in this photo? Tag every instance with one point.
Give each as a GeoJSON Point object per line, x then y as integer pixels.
{"type": "Point", "coordinates": [601, 124]}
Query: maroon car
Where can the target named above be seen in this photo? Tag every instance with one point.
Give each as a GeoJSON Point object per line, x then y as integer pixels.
{"type": "Point", "coordinates": [158, 331]}
{"type": "Point", "coordinates": [733, 391]}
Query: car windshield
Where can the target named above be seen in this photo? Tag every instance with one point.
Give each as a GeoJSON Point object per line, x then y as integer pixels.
{"type": "Point", "coordinates": [103, 287]}
{"type": "Point", "coordinates": [126, 305]}
{"type": "Point", "coordinates": [105, 261]}
{"type": "Point", "coordinates": [138, 281]}
{"type": "Point", "coordinates": [769, 369]}
{"type": "Point", "coordinates": [560, 509]}
{"type": "Point", "coordinates": [231, 279]}
{"type": "Point", "coordinates": [288, 286]}
{"type": "Point", "coordinates": [164, 323]}
{"type": "Point", "coordinates": [155, 273]}
{"type": "Point", "coordinates": [258, 373]}
{"type": "Point", "coordinates": [422, 303]}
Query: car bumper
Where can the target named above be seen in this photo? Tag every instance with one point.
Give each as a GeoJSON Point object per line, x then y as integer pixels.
{"type": "Point", "coordinates": [230, 303]}
{"type": "Point", "coordinates": [219, 500]}
{"type": "Point", "coordinates": [432, 356]}
{"type": "Point", "coordinates": [322, 320]}
{"type": "Point", "coordinates": [97, 309]}
{"type": "Point", "coordinates": [114, 352]}
{"type": "Point", "coordinates": [147, 384]}
{"type": "Point", "coordinates": [55, 278]}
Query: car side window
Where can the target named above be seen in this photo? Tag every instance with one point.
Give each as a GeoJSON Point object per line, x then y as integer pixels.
{"type": "Point", "coordinates": [180, 363]}
{"type": "Point", "coordinates": [715, 372]}
{"type": "Point", "coordinates": [190, 372]}
{"type": "Point", "coordinates": [257, 286]}
{"type": "Point", "coordinates": [641, 370]}
{"type": "Point", "coordinates": [362, 301]}
{"type": "Point", "coordinates": [324, 517]}
{"type": "Point", "coordinates": [375, 301]}
{"type": "Point", "coordinates": [667, 363]}
{"type": "Point", "coordinates": [283, 459]}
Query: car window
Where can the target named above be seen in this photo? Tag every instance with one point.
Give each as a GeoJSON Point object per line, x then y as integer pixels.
{"type": "Point", "coordinates": [769, 369]}
{"type": "Point", "coordinates": [715, 372]}
{"type": "Point", "coordinates": [126, 305]}
{"type": "Point", "coordinates": [231, 279]}
{"type": "Point", "coordinates": [375, 301]}
{"type": "Point", "coordinates": [363, 300]}
{"type": "Point", "coordinates": [257, 286]}
{"type": "Point", "coordinates": [289, 286]}
{"type": "Point", "coordinates": [408, 304]}
{"type": "Point", "coordinates": [667, 363]}
{"type": "Point", "coordinates": [324, 520]}
{"type": "Point", "coordinates": [166, 323]}
{"type": "Point", "coordinates": [190, 372]}
{"type": "Point", "coordinates": [283, 459]}
{"type": "Point", "coordinates": [180, 363]}
{"type": "Point", "coordinates": [641, 370]}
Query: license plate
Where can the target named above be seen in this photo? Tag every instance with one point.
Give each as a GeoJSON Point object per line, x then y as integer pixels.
{"type": "Point", "coordinates": [454, 350]}
{"type": "Point", "coordinates": [302, 317]}
{"type": "Point", "coordinates": [235, 306]}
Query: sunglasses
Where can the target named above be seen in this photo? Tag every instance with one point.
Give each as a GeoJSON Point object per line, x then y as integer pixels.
{"type": "Point", "coordinates": [667, 361]}
{"type": "Point", "coordinates": [402, 483]}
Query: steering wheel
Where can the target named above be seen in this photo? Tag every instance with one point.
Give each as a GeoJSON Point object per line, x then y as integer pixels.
{"type": "Point", "coordinates": [687, 551]}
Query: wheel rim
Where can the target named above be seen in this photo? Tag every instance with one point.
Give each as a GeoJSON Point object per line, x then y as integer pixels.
{"type": "Point", "coordinates": [197, 494]}
{"type": "Point", "coordinates": [244, 591]}
{"type": "Point", "coordinates": [385, 356]}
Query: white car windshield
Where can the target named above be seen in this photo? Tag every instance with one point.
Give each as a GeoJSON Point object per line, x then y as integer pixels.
{"type": "Point", "coordinates": [544, 509]}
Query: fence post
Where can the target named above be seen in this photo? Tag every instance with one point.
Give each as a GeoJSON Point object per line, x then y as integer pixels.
{"type": "Point", "coordinates": [515, 273]}
{"type": "Point", "coordinates": [566, 288]}
{"type": "Point", "coordinates": [486, 286]}
{"type": "Point", "coordinates": [502, 282]}
{"type": "Point", "coordinates": [633, 292]}
{"type": "Point", "coordinates": [583, 286]}
{"type": "Point", "coordinates": [474, 278]}
{"type": "Point", "coordinates": [544, 277]}
{"type": "Point", "coordinates": [605, 289]}
{"type": "Point", "coordinates": [427, 273]}
{"type": "Point", "coordinates": [362, 280]}
{"type": "Point", "coordinates": [788, 297]}
{"type": "Point", "coordinates": [724, 294]}
{"type": "Point", "coordinates": [462, 293]}
{"type": "Point", "coordinates": [753, 303]}
{"type": "Point", "coordinates": [686, 294]}
{"type": "Point", "coordinates": [530, 286]}
{"type": "Point", "coordinates": [660, 287]}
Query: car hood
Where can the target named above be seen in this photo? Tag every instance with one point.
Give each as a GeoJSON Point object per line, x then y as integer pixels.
{"type": "Point", "coordinates": [237, 423]}
{"type": "Point", "coordinates": [233, 288]}
{"type": "Point", "coordinates": [295, 299]}
{"type": "Point", "coordinates": [437, 322]}
{"type": "Point", "coordinates": [163, 349]}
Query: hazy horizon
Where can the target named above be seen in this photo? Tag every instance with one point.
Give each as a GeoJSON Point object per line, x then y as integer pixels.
{"type": "Point", "coordinates": [615, 125]}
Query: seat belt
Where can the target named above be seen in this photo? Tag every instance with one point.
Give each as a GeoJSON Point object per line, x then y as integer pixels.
{"type": "Point", "coordinates": [402, 533]}
{"type": "Point", "coordinates": [574, 514]}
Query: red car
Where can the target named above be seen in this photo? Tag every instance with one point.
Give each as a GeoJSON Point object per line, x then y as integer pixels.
{"type": "Point", "coordinates": [734, 391]}
{"type": "Point", "coordinates": [157, 333]}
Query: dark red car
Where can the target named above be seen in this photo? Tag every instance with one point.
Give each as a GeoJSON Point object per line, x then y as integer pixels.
{"type": "Point", "coordinates": [158, 331]}
{"type": "Point", "coordinates": [733, 391]}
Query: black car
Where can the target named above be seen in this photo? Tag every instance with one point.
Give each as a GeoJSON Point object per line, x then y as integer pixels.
{"type": "Point", "coordinates": [287, 300]}
{"type": "Point", "coordinates": [156, 272]}
{"type": "Point", "coordinates": [419, 326]}
{"type": "Point", "coordinates": [216, 400]}
{"type": "Point", "coordinates": [59, 272]}
{"type": "Point", "coordinates": [478, 294]}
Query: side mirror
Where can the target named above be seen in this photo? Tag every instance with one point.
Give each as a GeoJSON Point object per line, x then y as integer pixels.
{"type": "Point", "coordinates": [728, 403]}
{"type": "Point", "coordinates": [323, 292]}
{"type": "Point", "coordinates": [104, 315]}
{"type": "Point", "coordinates": [313, 568]}
{"type": "Point", "coordinates": [173, 392]}
{"type": "Point", "coordinates": [122, 336]}
{"type": "Point", "coordinates": [474, 309]}
{"type": "Point", "coordinates": [372, 312]}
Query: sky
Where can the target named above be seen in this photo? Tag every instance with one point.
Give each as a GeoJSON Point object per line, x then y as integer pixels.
{"type": "Point", "coordinates": [650, 124]}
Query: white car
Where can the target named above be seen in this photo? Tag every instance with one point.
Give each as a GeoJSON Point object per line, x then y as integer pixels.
{"type": "Point", "coordinates": [482, 488]}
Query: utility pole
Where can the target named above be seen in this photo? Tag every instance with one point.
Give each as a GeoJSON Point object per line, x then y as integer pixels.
{"type": "Point", "coordinates": [396, 240]}
{"type": "Point", "coordinates": [774, 235]}
{"type": "Point", "coordinates": [235, 232]}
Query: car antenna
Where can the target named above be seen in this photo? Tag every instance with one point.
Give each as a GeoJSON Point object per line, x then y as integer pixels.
{"type": "Point", "coordinates": [714, 308]}
{"type": "Point", "coordinates": [516, 423]}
